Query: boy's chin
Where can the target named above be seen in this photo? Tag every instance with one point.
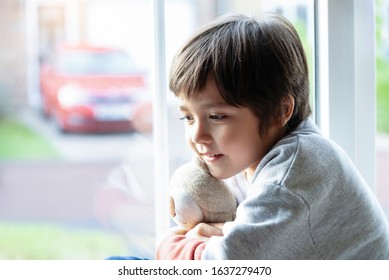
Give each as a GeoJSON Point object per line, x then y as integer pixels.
{"type": "Point", "coordinates": [218, 175]}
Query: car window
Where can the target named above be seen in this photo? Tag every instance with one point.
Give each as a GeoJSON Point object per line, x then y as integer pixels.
{"type": "Point", "coordinates": [95, 63]}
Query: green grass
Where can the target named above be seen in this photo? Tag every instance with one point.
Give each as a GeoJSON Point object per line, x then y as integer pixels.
{"type": "Point", "coordinates": [382, 96]}
{"type": "Point", "coordinates": [23, 241]}
{"type": "Point", "coordinates": [17, 141]}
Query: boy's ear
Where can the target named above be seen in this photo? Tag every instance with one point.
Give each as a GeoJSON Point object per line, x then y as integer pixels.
{"type": "Point", "coordinates": [287, 108]}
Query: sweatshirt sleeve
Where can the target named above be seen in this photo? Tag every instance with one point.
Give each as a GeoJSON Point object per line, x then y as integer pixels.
{"type": "Point", "coordinates": [180, 247]}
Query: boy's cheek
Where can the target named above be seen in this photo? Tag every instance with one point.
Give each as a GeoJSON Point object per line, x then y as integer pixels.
{"type": "Point", "coordinates": [189, 142]}
{"type": "Point", "coordinates": [193, 147]}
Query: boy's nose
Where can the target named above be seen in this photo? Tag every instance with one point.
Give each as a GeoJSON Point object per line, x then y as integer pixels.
{"type": "Point", "coordinates": [200, 133]}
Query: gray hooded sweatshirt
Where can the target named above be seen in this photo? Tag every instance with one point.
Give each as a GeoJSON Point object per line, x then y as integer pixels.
{"type": "Point", "coordinates": [306, 200]}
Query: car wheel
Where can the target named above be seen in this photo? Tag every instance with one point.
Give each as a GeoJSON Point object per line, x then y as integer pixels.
{"type": "Point", "coordinates": [59, 125]}
{"type": "Point", "coordinates": [44, 109]}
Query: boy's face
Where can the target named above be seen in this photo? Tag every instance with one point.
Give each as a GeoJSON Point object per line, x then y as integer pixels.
{"type": "Point", "coordinates": [226, 137]}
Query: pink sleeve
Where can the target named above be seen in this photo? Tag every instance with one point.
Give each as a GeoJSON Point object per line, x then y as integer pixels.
{"type": "Point", "coordinates": [179, 247]}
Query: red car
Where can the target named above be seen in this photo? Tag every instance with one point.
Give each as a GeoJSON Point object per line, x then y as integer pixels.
{"type": "Point", "coordinates": [93, 89]}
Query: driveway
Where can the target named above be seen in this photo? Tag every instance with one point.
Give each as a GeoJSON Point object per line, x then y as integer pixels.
{"type": "Point", "coordinates": [55, 191]}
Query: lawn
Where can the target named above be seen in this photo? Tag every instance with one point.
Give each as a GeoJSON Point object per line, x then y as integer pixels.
{"type": "Point", "coordinates": [18, 141]}
{"type": "Point", "coordinates": [32, 241]}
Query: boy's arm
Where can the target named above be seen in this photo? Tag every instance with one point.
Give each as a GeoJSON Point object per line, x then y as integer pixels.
{"type": "Point", "coordinates": [179, 244]}
{"type": "Point", "coordinates": [180, 247]}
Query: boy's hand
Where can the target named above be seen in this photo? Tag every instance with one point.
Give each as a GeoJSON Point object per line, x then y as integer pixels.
{"type": "Point", "coordinates": [205, 231]}
{"type": "Point", "coordinates": [177, 230]}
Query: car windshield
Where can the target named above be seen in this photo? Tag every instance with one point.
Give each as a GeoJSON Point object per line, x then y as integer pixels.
{"type": "Point", "coordinates": [95, 63]}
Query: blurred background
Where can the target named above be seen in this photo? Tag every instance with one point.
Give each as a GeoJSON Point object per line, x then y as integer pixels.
{"type": "Point", "coordinates": [76, 89]}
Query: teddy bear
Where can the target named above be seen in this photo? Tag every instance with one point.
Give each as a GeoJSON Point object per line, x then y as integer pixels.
{"type": "Point", "coordinates": [196, 196]}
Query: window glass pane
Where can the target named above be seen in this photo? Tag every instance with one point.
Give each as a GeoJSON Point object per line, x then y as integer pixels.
{"type": "Point", "coordinates": [382, 64]}
{"type": "Point", "coordinates": [75, 128]}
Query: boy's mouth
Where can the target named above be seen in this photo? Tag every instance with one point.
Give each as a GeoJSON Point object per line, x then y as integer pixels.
{"type": "Point", "coordinates": [211, 157]}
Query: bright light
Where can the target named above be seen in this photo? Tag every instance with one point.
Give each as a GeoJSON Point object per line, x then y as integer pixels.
{"type": "Point", "coordinates": [71, 95]}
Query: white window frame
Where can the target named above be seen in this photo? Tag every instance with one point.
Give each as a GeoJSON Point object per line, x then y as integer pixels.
{"type": "Point", "coordinates": [345, 79]}
{"type": "Point", "coordinates": [160, 128]}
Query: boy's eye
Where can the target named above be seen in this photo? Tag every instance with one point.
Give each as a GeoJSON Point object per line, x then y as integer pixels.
{"type": "Point", "coordinates": [217, 117]}
{"type": "Point", "coordinates": [186, 118]}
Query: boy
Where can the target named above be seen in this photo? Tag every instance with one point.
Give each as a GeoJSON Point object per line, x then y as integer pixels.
{"type": "Point", "coordinates": [244, 93]}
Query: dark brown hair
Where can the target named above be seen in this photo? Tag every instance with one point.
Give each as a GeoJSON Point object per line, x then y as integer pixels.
{"type": "Point", "coordinates": [256, 63]}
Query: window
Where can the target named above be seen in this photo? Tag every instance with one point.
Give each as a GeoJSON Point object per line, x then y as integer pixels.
{"type": "Point", "coordinates": [101, 193]}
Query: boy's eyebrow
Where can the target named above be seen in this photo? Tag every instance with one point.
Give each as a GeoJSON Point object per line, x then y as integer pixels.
{"type": "Point", "coordinates": [182, 108]}
{"type": "Point", "coordinates": [206, 106]}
